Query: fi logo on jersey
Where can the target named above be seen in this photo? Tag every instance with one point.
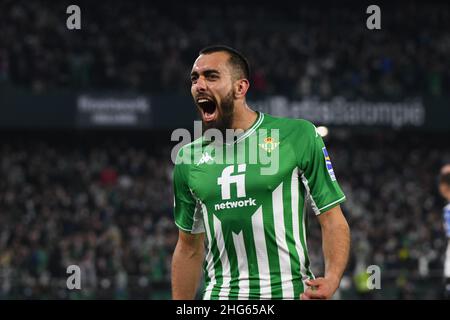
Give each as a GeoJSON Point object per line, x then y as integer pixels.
{"type": "Point", "coordinates": [328, 164]}
{"type": "Point", "coordinates": [225, 181]}
{"type": "Point", "coordinates": [227, 178]}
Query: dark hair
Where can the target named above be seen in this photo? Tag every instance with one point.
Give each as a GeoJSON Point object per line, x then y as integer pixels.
{"type": "Point", "coordinates": [237, 59]}
{"type": "Point", "coordinates": [445, 178]}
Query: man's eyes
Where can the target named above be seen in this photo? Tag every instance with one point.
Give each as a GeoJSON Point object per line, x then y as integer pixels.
{"type": "Point", "coordinates": [209, 77]}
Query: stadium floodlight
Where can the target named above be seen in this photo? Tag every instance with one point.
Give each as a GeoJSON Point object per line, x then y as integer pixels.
{"type": "Point", "coordinates": [323, 131]}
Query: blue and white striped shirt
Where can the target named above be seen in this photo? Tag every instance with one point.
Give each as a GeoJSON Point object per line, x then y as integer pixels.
{"type": "Point", "coordinates": [447, 220]}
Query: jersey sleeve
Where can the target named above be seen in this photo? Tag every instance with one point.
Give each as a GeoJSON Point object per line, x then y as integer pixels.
{"type": "Point", "coordinates": [317, 172]}
{"type": "Point", "coordinates": [186, 214]}
{"type": "Point", "coordinates": [187, 210]}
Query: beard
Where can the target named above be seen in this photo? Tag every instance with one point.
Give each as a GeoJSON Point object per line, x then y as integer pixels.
{"type": "Point", "coordinates": [225, 116]}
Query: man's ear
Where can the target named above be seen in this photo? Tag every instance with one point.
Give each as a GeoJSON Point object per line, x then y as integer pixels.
{"type": "Point", "coordinates": [240, 88]}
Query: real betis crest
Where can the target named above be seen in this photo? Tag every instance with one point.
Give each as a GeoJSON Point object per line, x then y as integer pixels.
{"type": "Point", "coordinates": [269, 144]}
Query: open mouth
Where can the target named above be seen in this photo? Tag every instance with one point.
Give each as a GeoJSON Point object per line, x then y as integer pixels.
{"type": "Point", "coordinates": [208, 109]}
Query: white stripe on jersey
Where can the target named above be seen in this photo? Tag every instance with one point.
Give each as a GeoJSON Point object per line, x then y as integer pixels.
{"type": "Point", "coordinates": [280, 236]}
{"type": "Point", "coordinates": [262, 257]}
{"type": "Point", "coordinates": [295, 184]}
{"type": "Point", "coordinates": [209, 256]}
{"type": "Point", "coordinates": [226, 270]}
{"type": "Point", "coordinates": [244, 283]}
{"type": "Point", "coordinates": [309, 196]}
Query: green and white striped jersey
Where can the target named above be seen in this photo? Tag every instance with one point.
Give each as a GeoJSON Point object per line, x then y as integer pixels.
{"type": "Point", "coordinates": [255, 221]}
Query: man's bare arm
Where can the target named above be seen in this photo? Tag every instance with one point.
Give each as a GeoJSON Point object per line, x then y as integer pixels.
{"type": "Point", "coordinates": [335, 242]}
{"type": "Point", "coordinates": [187, 263]}
{"type": "Point", "coordinates": [336, 248]}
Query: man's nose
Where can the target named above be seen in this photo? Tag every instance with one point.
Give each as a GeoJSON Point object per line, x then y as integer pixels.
{"type": "Point", "coordinates": [200, 85]}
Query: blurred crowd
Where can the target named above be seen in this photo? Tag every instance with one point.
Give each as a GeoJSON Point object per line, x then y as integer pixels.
{"type": "Point", "coordinates": [299, 49]}
{"type": "Point", "coordinates": [107, 207]}
{"type": "Point", "coordinates": [394, 210]}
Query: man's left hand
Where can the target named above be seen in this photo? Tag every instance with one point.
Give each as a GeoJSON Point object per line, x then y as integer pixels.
{"type": "Point", "coordinates": [320, 288]}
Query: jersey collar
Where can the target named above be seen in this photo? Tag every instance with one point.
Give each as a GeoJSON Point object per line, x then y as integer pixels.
{"type": "Point", "coordinates": [245, 134]}
{"type": "Point", "coordinates": [252, 129]}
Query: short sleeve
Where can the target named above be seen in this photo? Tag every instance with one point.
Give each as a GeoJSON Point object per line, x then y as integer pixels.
{"type": "Point", "coordinates": [317, 172]}
{"type": "Point", "coordinates": [186, 209]}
